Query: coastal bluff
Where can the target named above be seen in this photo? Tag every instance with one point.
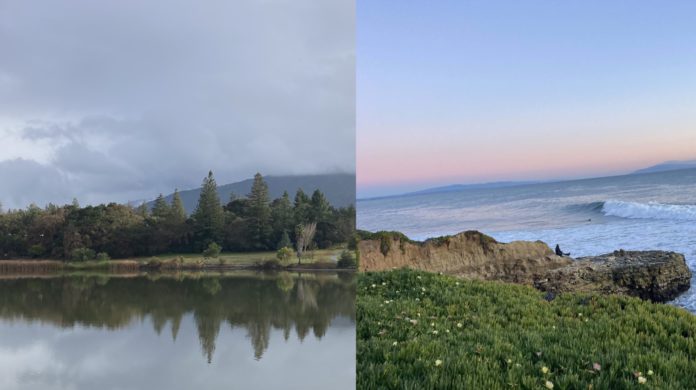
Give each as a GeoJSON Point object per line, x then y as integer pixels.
{"type": "Point", "coordinates": [653, 275]}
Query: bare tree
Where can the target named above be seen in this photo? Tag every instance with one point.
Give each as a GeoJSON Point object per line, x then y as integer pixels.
{"type": "Point", "coordinates": [305, 235]}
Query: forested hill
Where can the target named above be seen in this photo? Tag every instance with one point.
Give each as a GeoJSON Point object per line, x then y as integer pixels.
{"type": "Point", "coordinates": [339, 189]}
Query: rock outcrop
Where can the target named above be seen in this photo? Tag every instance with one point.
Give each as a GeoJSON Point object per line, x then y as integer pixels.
{"type": "Point", "coordinates": [471, 254]}
{"type": "Point", "coordinates": [655, 275]}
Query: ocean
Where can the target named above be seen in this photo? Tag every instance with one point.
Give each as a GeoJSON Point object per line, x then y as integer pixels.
{"type": "Point", "coordinates": [585, 217]}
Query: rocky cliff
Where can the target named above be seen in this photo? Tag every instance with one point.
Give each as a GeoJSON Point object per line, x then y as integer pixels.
{"type": "Point", "coordinates": [470, 254]}
{"type": "Point", "coordinates": [655, 275]}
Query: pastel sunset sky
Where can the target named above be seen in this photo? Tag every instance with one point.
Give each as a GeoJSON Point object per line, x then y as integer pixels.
{"type": "Point", "coordinates": [467, 92]}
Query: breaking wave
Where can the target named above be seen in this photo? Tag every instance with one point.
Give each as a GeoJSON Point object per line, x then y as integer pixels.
{"type": "Point", "coordinates": [651, 210]}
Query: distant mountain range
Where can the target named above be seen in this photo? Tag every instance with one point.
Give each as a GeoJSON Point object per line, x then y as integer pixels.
{"type": "Point", "coordinates": [662, 167]}
{"type": "Point", "coordinates": [459, 187]}
{"type": "Point", "coordinates": [668, 166]}
{"type": "Point", "coordinates": [339, 189]}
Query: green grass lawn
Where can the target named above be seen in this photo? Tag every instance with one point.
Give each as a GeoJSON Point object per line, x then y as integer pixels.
{"type": "Point", "coordinates": [417, 330]}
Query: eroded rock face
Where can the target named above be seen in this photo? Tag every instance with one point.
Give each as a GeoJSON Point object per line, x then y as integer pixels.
{"type": "Point", "coordinates": [655, 275]}
{"type": "Point", "coordinates": [470, 255]}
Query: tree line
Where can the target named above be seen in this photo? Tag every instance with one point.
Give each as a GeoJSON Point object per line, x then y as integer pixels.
{"type": "Point", "coordinates": [250, 223]}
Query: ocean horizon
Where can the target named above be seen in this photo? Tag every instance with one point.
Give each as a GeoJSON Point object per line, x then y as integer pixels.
{"type": "Point", "coordinates": [586, 217]}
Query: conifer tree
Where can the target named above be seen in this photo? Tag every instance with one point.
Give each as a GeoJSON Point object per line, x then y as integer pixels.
{"type": "Point", "coordinates": [142, 210]}
{"type": "Point", "coordinates": [284, 241]}
{"type": "Point", "coordinates": [177, 207]}
{"type": "Point", "coordinates": [208, 216]}
{"type": "Point", "coordinates": [260, 213]}
{"type": "Point", "coordinates": [321, 209]}
{"type": "Point", "coordinates": [302, 207]}
{"type": "Point", "coordinates": [282, 215]}
{"type": "Point", "coordinates": [160, 209]}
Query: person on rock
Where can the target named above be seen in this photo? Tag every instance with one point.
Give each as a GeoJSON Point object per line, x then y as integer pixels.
{"type": "Point", "coordinates": [559, 252]}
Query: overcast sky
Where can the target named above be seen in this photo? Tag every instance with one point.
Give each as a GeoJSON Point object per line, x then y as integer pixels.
{"type": "Point", "coordinates": [120, 100]}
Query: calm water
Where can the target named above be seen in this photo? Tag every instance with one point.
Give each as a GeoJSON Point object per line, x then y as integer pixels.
{"type": "Point", "coordinates": [586, 217]}
{"type": "Point", "coordinates": [237, 331]}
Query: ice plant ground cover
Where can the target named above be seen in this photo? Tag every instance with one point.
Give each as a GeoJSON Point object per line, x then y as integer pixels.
{"type": "Point", "coordinates": [418, 330]}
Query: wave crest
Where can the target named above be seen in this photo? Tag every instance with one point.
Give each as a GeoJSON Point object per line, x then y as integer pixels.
{"type": "Point", "coordinates": [651, 210]}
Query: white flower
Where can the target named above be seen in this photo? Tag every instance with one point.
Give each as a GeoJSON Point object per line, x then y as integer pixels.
{"type": "Point", "coordinates": [548, 385]}
{"type": "Point", "coordinates": [509, 361]}
{"type": "Point", "coordinates": [384, 283]}
{"type": "Point", "coordinates": [650, 372]}
{"type": "Point", "coordinates": [459, 325]}
{"type": "Point", "coordinates": [447, 330]}
{"type": "Point", "coordinates": [432, 324]}
{"type": "Point", "coordinates": [544, 369]}
{"type": "Point", "coordinates": [394, 343]}
{"type": "Point", "coordinates": [422, 288]}
{"type": "Point", "coordinates": [438, 362]}
{"type": "Point", "coordinates": [642, 380]}
{"type": "Point", "coordinates": [374, 285]}
{"type": "Point", "coordinates": [418, 277]}
{"type": "Point", "coordinates": [434, 332]}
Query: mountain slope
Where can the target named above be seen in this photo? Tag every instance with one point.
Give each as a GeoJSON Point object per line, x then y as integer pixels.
{"type": "Point", "coordinates": [339, 189]}
{"type": "Point", "coordinates": [668, 166]}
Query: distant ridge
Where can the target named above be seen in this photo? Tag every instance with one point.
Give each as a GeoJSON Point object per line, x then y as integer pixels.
{"type": "Point", "coordinates": [339, 189]}
{"type": "Point", "coordinates": [459, 187]}
{"type": "Point", "coordinates": [456, 187]}
{"type": "Point", "coordinates": [668, 166]}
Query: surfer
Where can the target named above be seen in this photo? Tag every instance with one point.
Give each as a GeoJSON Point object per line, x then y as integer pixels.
{"type": "Point", "coordinates": [559, 252]}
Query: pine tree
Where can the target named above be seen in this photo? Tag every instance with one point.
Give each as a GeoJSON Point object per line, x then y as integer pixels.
{"type": "Point", "coordinates": [260, 213]}
{"type": "Point", "coordinates": [143, 210]}
{"type": "Point", "coordinates": [321, 209]}
{"type": "Point", "coordinates": [302, 208]}
{"type": "Point", "coordinates": [208, 216]}
{"type": "Point", "coordinates": [160, 210]}
{"type": "Point", "coordinates": [282, 215]}
{"type": "Point", "coordinates": [177, 207]}
{"type": "Point", "coordinates": [284, 241]}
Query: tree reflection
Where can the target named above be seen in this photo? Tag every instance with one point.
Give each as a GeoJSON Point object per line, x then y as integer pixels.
{"type": "Point", "coordinates": [257, 304]}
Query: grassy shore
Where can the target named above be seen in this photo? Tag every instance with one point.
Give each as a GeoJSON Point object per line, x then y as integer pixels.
{"type": "Point", "coordinates": [418, 330]}
{"type": "Point", "coordinates": [319, 259]}
{"type": "Point", "coordinates": [248, 258]}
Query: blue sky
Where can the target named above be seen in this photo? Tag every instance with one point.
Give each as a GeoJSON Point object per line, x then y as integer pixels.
{"type": "Point", "coordinates": [461, 91]}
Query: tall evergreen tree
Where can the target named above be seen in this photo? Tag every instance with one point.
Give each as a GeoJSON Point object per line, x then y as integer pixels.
{"type": "Point", "coordinates": [208, 217]}
{"type": "Point", "coordinates": [142, 210]}
{"type": "Point", "coordinates": [302, 207]}
{"type": "Point", "coordinates": [321, 209]}
{"type": "Point", "coordinates": [260, 214]}
{"type": "Point", "coordinates": [177, 207]}
{"type": "Point", "coordinates": [282, 215]}
{"type": "Point", "coordinates": [160, 209]}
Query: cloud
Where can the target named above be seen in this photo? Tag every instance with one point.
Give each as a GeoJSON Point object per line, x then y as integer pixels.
{"type": "Point", "coordinates": [122, 100]}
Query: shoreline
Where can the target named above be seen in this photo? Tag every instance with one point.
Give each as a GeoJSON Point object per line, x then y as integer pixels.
{"type": "Point", "coordinates": [28, 268]}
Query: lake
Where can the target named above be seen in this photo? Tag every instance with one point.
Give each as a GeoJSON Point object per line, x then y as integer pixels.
{"type": "Point", "coordinates": [239, 330]}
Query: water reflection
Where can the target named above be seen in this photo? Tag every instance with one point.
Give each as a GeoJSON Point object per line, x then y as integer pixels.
{"type": "Point", "coordinates": [284, 301]}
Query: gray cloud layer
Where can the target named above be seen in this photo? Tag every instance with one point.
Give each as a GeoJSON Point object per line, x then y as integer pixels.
{"type": "Point", "coordinates": [120, 100]}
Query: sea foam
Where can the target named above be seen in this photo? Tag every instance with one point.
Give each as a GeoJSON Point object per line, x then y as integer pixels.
{"type": "Point", "coordinates": [650, 210]}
